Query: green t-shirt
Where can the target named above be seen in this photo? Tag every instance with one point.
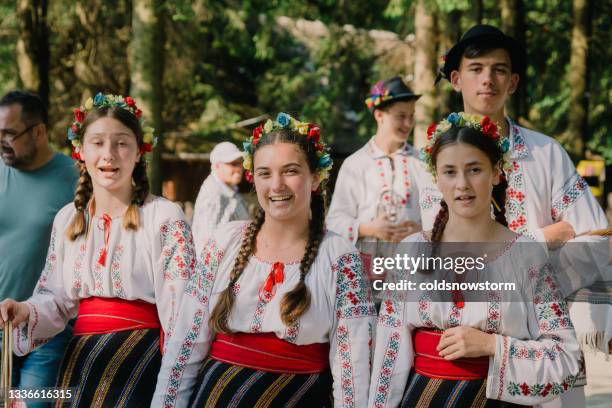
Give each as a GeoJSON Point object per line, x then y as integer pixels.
{"type": "Point", "coordinates": [29, 201]}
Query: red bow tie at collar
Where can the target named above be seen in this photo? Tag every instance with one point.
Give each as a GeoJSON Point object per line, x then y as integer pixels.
{"type": "Point", "coordinates": [275, 276]}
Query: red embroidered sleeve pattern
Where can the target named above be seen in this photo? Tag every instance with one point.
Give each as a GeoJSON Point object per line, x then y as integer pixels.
{"type": "Point", "coordinates": [177, 250]}
{"type": "Point", "coordinates": [386, 372]}
{"type": "Point", "coordinates": [572, 190]}
{"type": "Point", "coordinates": [201, 282]}
{"type": "Point", "coordinates": [550, 306]}
{"type": "Point", "coordinates": [353, 297]}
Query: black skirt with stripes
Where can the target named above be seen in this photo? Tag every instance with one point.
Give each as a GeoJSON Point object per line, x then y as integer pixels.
{"type": "Point", "coordinates": [226, 385]}
{"type": "Point", "coordinates": [424, 392]}
{"type": "Point", "coordinates": [111, 370]}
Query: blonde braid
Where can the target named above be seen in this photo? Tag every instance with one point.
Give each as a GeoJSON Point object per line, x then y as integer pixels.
{"type": "Point", "coordinates": [82, 196]}
{"type": "Point", "coordinates": [139, 195]}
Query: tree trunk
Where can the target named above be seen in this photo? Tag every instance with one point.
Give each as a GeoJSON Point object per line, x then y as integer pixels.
{"type": "Point", "coordinates": [478, 10]}
{"type": "Point", "coordinates": [147, 70]}
{"type": "Point", "coordinates": [32, 47]}
{"type": "Point", "coordinates": [425, 66]}
{"type": "Point", "coordinates": [448, 100]}
{"type": "Point", "coordinates": [513, 24]}
{"type": "Point", "coordinates": [577, 79]}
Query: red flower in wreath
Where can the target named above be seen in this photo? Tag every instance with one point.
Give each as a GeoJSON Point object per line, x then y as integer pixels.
{"type": "Point", "coordinates": [130, 101]}
{"type": "Point", "coordinates": [248, 176]}
{"type": "Point", "coordinates": [314, 133]}
{"type": "Point", "coordinates": [138, 113]}
{"type": "Point", "coordinates": [145, 148]}
{"type": "Point", "coordinates": [257, 132]}
{"type": "Point", "coordinates": [488, 127]}
{"type": "Point", "coordinates": [79, 115]}
{"type": "Point", "coordinates": [430, 130]}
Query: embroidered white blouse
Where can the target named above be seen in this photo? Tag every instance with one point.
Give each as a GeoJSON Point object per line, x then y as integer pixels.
{"type": "Point", "coordinates": [536, 356]}
{"type": "Point", "coordinates": [341, 313]}
{"type": "Point", "coordinates": [151, 264]}
{"type": "Point", "coordinates": [371, 182]}
{"type": "Point", "coordinates": [544, 188]}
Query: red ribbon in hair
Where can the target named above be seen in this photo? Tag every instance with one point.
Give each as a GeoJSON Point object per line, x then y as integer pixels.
{"type": "Point", "coordinates": [276, 276]}
{"type": "Point", "coordinates": [107, 224]}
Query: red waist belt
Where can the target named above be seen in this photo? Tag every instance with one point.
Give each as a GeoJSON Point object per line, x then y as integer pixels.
{"type": "Point", "coordinates": [266, 352]}
{"type": "Point", "coordinates": [428, 362]}
{"type": "Point", "coordinates": [108, 315]}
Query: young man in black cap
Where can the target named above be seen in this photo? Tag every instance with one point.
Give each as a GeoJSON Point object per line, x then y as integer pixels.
{"type": "Point", "coordinates": [546, 199]}
{"type": "Point", "coordinates": [375, 198]}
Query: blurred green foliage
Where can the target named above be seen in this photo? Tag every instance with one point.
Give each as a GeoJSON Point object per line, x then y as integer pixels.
{"type": "Point", "coordinates": [230, 60]}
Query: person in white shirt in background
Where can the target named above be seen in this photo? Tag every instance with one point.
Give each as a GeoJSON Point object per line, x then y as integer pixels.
{"type": "Point", "coordinates": [375, 201]}
{"type": "Point", "coordinates": [219, 201]}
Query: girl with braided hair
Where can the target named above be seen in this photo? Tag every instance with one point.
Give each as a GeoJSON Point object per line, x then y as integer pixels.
{"type": "Point", "coordinates": [280, 313]}
{"type": "Point", "coordinates": [497, 349]}
{"type": "Point", "coordinates": [118, 261]}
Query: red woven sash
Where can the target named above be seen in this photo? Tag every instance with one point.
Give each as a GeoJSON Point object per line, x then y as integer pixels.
{"type": "Point", "coordinates": [108, 315]}
{"type": "Point", "coordinates": [428, 362]}
{"type": "Point", "coordinates": [266, 352]}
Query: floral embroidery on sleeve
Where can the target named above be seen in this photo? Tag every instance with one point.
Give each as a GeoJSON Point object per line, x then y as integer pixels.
{"type": "Point", "coordinates": [386, 371]}
{"type": "Point", "coordinates": [346, 366]}
{"type": "Point", "coordinates": [551, 309]}
{"type": "Point", "coordinates": [536, 353]}
{"type": "Point", "coordinates": [201, 282]}
{"type": "Point", "coordinates": [572, 190]}
{"type": "Point", "coordinates": [49, 264]}
{"type": "Point", "coordinates": [177, 250]}
{"type": "Point", "coordinates": [390, 312]}
{"type": "Point", "coordinates": [493, 313]}
{"type": "Point", "coordinates": [353, 297]}
{"type": "Point", "coordinates": [542, 389]}
{"type": "Point", "coordinates": [183, 357]}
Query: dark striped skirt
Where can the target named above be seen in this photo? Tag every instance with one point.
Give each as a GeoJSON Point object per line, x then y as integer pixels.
{"type": "Point", "coordinates": [226, 385]}
{"type": "Point", "coordinates": [111, 370]}
{"type": "Point", "coordinates": [424, 392]}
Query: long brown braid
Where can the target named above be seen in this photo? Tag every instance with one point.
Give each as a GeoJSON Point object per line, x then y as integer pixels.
{"type": "Point", "coordinates": [84, 189]}
{"type": "Point", "coordinates": [297, 301]}
{"type": "Point", "coordinates": [223, 308]}
{"type": "Point", "coordinates": [499, 195]}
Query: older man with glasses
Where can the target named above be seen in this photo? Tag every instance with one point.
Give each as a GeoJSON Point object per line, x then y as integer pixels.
{"type": "Point", "coordinates": [35, 182]}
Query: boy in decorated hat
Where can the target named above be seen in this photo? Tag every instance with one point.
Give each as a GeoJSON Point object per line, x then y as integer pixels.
{"type": "Point", "coordinates": [375, 198]}
{"type": "Point", "coordinates": [546, 198]}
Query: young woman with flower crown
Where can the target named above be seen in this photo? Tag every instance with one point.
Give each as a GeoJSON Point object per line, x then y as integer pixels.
{"type": "Point", "coordinates": [281, 314]}
{"type": "Point", "coordinates": [496, 351]}
{"type": "Point", "coordinates": [118, 261]}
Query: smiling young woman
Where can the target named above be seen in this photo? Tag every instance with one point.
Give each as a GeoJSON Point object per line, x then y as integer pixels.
{"type": "Point", "coordinates": [288, 307]}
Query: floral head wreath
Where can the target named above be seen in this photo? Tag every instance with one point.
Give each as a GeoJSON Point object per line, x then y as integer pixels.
{"type": "Point", "coordinates": [284, 121]}
{"type": "Point", "coordinates": [100, 100]}
{"type": "Point", "coordinates": [460, 119]}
